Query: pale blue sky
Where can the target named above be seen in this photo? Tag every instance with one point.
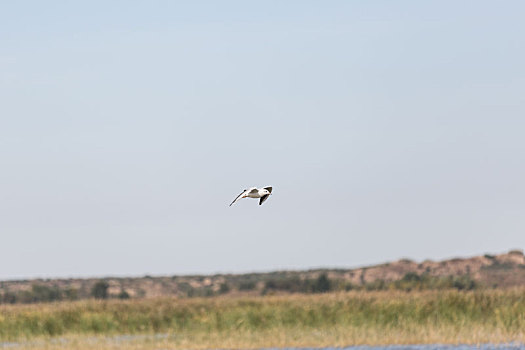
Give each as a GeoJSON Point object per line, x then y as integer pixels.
{"type": "Point", "coordinates": [387, 129]}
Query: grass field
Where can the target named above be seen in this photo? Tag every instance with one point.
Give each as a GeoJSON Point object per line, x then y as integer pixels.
{"type": "Point", "coordinates": [338, 319]}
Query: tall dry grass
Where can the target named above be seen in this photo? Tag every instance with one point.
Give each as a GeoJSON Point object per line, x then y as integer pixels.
{"type": "Point", "coordinates": [290, 320]}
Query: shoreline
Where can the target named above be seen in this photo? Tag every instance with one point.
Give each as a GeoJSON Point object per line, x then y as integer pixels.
{"type": "Point", "coordinates": [322, 320]}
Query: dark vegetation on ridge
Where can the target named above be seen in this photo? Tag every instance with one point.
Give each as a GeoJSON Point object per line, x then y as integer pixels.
{"type": "Point", "coordinates": [481, 272]}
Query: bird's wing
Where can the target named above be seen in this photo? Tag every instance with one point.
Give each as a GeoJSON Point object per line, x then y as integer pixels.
{"type": "Point", "coordinates": [238, 197]}
{"type": "Point", "coordinates": [269, 189]}
{"type": "Point", "coordinates": [253, 190]}
{"type": "Point", "coordinates": [263, 198]}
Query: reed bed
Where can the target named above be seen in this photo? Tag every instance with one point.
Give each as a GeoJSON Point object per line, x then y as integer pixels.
{"type": "Point", "coordinates": [338, 319]}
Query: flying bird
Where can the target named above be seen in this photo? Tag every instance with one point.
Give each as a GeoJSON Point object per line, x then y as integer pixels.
{"type": "Point", "coordinates": [254, 192]}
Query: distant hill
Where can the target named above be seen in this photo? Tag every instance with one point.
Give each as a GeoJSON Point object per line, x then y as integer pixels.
{"type": "Point", "coordinates": [487, 271]}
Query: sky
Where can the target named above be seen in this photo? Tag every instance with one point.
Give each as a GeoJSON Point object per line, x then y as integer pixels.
{"type": "Point", "coordinates": [387, 129]}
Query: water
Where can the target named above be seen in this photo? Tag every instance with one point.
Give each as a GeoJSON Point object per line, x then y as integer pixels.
{"type": "Point", "coordinates": [127, 338]}
{"type": "Point", "coordinates": [421, 347]}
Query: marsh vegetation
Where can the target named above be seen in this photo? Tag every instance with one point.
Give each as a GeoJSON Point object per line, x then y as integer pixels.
{"type": "Point", "coordinates": [327, 319]}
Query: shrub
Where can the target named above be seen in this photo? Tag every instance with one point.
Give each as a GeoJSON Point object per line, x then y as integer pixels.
{"type": "Point", "coordinates": [224, 288]}
{"type": "Point", "coordinates": [322, 284]}
{"type": "Point", "coordinates": [123, 294]}
{"type": "Point", "coordinates": [376, 285]}
{"type": "Point", "coordinates": [247, 285]}
{"type": "Point", "coordinates": [40, 293]}
{"type": "Point", "coordinates": [464, 283]}
{"type": "Point", "coordinates": [411, 277]}
{"type": "Point", "coordinates": [100, 290]}
{"type": "Point", "coordinates": [71, 294]}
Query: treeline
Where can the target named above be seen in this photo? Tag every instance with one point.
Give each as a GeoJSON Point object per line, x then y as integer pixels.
{"type": "Point", "coordinates": [294, 284]}
{"type": "Point", "coordinates": [278, 283]}
{"type": "Point", "coordinates": [410, 281]}
{"type": "Point", "coordinates": [42, 293]}
{"type": "Point", "coordinates": [38, 293]}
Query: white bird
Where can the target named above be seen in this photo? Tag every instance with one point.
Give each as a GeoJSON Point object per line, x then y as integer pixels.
{"type": "Point", "coordinates": [254, 192]}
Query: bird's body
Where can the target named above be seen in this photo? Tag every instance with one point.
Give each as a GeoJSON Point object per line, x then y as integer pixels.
{"type": "Point", "coordinates": [254, 192]}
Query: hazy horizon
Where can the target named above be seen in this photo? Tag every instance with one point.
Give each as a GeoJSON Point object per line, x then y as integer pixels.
{"type": "Point", "coordinates": [240, 272]}
{"type": "Point", "coordinates": [387, 130]}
